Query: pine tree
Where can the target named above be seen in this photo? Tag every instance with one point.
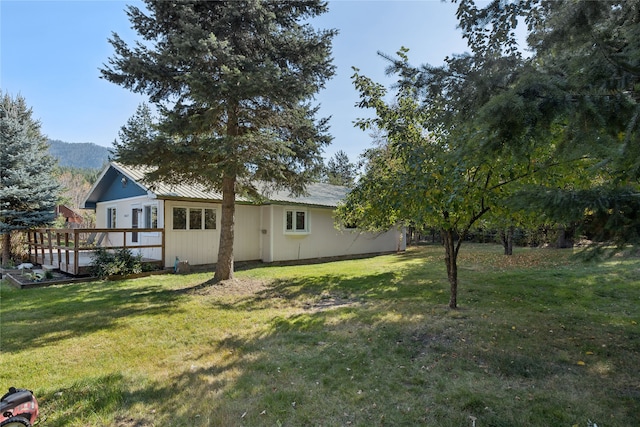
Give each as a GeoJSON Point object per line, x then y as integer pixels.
{"type": "Point", "coordinates": [340, 171]}
{"type": "Point", "coordinates": [231, 82]}
{"type": "Point", "coordinates": [28, 191]}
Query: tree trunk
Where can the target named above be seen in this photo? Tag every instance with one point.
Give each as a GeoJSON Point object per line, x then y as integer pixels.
{"type": "Point", "coordinates": [565, 238]}
{"type": "Point", "coordinates": [6, 249]}
{"type": "Point", "coordinates": [507, 240]}
{"type": "Point", "coordinates": [224, 267]}
{"type": "Point", "coordinates": [450, 260]}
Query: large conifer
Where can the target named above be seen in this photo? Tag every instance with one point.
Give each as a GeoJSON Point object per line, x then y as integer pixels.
{"type": "Point", "coordinates": [28, 191]}
{"type": "Point", "coordinates": [231, 82]}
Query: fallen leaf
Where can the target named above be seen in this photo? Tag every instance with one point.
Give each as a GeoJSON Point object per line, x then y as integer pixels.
{"type": "Point", "coordinates": [580, 363]}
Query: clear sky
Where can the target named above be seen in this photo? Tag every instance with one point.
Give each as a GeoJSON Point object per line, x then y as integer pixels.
{"type": "Point", "coordinates": [51, 52]}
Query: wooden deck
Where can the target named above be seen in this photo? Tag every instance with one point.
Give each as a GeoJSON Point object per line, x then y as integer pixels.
{"type": "Point", "coordinates": [71, 250]}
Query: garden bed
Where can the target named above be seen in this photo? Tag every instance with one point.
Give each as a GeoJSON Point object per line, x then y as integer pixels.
{"type": "Point", "coordinates": [25, 279]}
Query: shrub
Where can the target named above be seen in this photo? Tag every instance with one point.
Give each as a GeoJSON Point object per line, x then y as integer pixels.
{"type": "Point", "coordinates": [119, 262]}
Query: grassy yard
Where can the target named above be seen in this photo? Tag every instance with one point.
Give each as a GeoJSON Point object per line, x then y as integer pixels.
{"type": "Point", "coordinates": [540, 339]}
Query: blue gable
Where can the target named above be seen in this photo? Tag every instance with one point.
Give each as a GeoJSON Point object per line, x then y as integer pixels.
{"type": "Point", "coordinates": [113, 185]}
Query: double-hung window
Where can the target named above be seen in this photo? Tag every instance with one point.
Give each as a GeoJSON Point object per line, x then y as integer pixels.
{"type": "Point", "coordinates": [296, 221]}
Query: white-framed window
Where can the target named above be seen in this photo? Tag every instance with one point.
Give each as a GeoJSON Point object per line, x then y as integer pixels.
{"type": "Point", "coordinates": [296, 221]}
{"type": "Point", "coordinates": [194, 218]}
{"type": "Point", "coordinates": [112, 215]}
{"type": "Point", "coordinates": [150, 216]}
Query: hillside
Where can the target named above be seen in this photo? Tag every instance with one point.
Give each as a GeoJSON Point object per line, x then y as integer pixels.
{"type": "Point", "coordinates": [79, 155]}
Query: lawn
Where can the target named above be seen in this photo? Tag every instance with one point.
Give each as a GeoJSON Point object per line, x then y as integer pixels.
{"type": "Point", "coordinates": [540, 339]}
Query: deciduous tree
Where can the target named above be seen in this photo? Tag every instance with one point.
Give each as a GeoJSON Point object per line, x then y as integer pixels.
{"type": "Point", "coordinates": [442, 166]}
{"type": "Point", "coordinates": [231, 82]}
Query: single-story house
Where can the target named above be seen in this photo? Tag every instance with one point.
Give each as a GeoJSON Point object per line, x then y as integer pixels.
{"type": "Point", "coordinates": [281, 228]}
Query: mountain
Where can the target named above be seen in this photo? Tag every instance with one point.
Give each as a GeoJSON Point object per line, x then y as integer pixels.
{"type": "Point", "coordinates": [84, 155]}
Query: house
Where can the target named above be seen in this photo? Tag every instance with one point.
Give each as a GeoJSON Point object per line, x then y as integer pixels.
{"type": "Point", "coordinates": [72, 218]}
{"type": "Point", "coordinates": [281, 228]}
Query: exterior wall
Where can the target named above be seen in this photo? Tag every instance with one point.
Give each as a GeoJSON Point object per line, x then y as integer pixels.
{"type": "Point", "coordinates": [259, 234]}
{"type": "Point", "coordinates": [266, 230]}
{"type": "Point", "coordinates": [124, 220]}
{"type": "Point", "coordinates": [324, 240]}
{"type": "Point", "coordinates": [201, 246]}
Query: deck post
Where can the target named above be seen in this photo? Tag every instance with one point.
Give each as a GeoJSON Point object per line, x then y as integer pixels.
{"type": "Point", "coordinates": [50, 244]}
{"type": "Point", "coordinates": [66, 249]}
{"type": "Point", "coordinates": [162, 248]}
{"type": "Point", "coordinates": [41, 245]}
{"type": "Point", "coordinates": [29, 244]}
{"type": "Point", "coordinates": [76, 252]}
{"type": "Point", "coordinates": [58, 249]}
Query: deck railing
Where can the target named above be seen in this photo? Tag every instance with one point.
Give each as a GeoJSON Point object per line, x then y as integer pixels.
{"type": "Point", "coordinates": [70, 250]}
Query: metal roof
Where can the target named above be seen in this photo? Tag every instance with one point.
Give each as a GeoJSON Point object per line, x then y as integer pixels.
{"type": "Point", "coordinates": [317, 194]}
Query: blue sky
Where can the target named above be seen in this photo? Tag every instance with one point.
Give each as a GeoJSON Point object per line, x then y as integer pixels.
{"type": "Point", "coordinates": [51, 52]}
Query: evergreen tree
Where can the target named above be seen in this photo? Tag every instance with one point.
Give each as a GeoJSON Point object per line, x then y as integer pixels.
{"type": "Point", "coordinates": [28, 191]}
{"type": "Point", "coordinates": [579, 93]}
{"type": "Point", "coordinates": [340, 171]}
{"type": "Point", "coordinates": [231, 82]}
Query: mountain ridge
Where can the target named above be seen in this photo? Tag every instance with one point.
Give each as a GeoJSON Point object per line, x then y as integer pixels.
{"type": "Point", "coordinates": [82, 155]}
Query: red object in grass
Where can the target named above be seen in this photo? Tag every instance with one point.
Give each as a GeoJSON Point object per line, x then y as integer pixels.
{"type": "Point", "coordinates": [18, 408]}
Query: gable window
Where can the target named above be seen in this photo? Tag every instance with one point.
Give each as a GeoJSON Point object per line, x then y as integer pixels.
{"type": "Point", "coordinates": [111, 217]}
{"type": "Point", "coordinates": [296, 221]}
{"type": "Point", "coordinates": [150, 216]}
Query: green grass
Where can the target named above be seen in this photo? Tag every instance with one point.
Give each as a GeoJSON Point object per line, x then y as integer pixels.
{"type": "Point", "coordinates": [540, 339]}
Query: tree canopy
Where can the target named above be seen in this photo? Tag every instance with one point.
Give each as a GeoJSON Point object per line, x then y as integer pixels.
{"type": "Point", "coordinates": [497, 132]}
{"type": "Point", "coordinates": [28, 191]}
{"type": "Point", "coordinates": [578, 92]}
{"type": "Point", "coordinates": [231, 82]}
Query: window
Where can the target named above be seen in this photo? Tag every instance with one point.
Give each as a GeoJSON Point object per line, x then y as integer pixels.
{"type": "Point", "coordinates": [209, 219]}
{"type": "Point", "coordinates": [150, 216]}
{"type": "Point", "coordinates": [111, 217]}
{"type": "Point", "coordinates": [179, 218]}
{"type": "Point", "coordinates": [195, 219]}
{"type": "Point", "coordinates": [296, 221]}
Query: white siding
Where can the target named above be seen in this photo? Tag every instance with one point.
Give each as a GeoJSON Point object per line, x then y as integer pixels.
{"type": "Point", "coordinates": [324, 240]}
{"type": "Point", "coordinates": [200, 247]}
{"type": "Point", "coordinates": [123, 220]}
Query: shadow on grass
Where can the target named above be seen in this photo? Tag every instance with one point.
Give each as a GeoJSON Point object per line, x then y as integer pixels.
{"type": "Point", "coordinates": [44, 316]}
{"type": "Point", "coordinates": [380, 349]}
{"type": "Point", "coordinates": [334, 368]}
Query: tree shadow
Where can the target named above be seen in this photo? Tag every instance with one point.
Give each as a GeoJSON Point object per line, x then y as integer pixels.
{"type": "Point", "coordinates": [58, 313]}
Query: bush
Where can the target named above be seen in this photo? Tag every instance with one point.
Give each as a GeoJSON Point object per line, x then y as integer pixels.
{"type": "Point", "coordinates": [119, 262]}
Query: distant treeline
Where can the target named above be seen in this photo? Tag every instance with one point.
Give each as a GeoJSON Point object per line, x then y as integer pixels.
{"type": "Point", "coordinates": [84, 155]}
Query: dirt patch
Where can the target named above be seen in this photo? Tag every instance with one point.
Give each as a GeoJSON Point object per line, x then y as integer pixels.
{"type": "Point", "coordinates": [261, 290]}
{"type": "Point", "coordinates": [328, 302]}
{"type": "Point", "coordinates": [245, 286]}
